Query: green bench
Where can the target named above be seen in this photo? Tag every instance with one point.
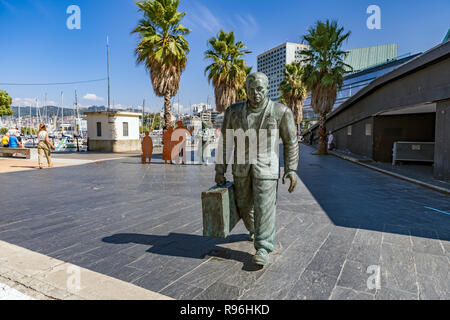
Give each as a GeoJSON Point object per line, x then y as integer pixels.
{"type": "Point", "coordinates": [15, 151]}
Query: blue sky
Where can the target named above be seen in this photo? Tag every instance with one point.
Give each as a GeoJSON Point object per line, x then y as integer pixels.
{"type": "Point", "coordinates": [37, 47]}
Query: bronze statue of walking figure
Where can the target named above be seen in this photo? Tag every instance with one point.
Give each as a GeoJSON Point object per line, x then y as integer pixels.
{"type": "Point", "coordinates": [256, 182]}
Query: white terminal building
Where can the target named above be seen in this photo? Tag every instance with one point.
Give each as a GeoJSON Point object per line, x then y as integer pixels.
{"type": "Point", "coordinates": [113, 131]}
{"type": "Point", "coordinates": [273, 63]}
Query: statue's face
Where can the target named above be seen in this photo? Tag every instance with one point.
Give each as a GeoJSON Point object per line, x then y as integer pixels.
{"type": "Point", "coordinates": [257, 91]}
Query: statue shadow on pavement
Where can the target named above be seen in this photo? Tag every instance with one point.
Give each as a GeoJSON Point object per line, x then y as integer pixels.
{"type": "Point", "coordinates": [192, 246]}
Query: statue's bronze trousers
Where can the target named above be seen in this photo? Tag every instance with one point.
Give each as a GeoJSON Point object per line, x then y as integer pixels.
{"type": "Point", "coordinates": [256, 200]}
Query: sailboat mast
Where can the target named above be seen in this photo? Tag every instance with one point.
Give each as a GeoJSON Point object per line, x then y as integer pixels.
{"type": "Point", "coordinates": [62, 107]}
{"type": "Point", "coordinates": [76, 113]}
{"type": "Point", "coordinates": [107, 65]}
{"type": "Point", "coordinates": [143, 116]}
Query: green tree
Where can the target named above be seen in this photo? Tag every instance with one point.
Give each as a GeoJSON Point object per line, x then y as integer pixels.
{"type": "Point", "coordinates": [228, 70]}
{"type": "Point", "coordinates": [5, 104]}
{"type": "Point", "coordinates": [242, 91]}
{"type": "Point", "coordinates": [293, 90]}
{"type": "Point", "coordinates": [324, 70]}
{"type": "Point", "coordinates": [156, 121]}
{"type": "Point", "coordinates": [162, 48]}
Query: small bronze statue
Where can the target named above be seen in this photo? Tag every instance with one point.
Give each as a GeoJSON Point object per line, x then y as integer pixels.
{"type": "Point", "coordinates": [167, 145]}
{"type": "Point", "coordinates": [256, 182]}
{"type": "Point", "coordinates": [205, 139]}
{"type": "Point", "coordinates": [147, 148]}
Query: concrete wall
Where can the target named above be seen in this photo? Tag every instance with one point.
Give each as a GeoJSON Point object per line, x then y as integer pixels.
{"type": "Point", "coordinates": [442, 148]}
{"type": "Point", "coordinates": [425, 85]}
{"type": "Point", "coordinates": [422, 80]}
{"type": "Point", "coordinates": [405, 127]}
{"type": "Point", "coordinates": [115, 146]}
{"type": "Point", "coordinates": [112, 126]}
{"type": "Point", "coordinates": [356, 139]}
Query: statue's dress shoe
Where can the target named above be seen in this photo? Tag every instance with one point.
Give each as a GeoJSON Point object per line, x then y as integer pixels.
{"type": "Point", "coordinates": [261, 257]}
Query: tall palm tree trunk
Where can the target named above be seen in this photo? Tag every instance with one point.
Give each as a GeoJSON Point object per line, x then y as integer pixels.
{"type": "Point", "coordinates": [167, 112]}
{"type": "Point", "coordinates": [322, 148]}
{"type": "Point", "coordinates": [300, 115]}
{"type": "Point", "coordinates": [297, 109]}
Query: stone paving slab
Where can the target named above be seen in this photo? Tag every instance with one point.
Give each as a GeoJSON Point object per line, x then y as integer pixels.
{"type": "Point", "coordinates": [12, 293]}
{"type": "Point", "coordinates": [49, 278]}
{"type": "Point", "coordinates": [143, 225]}
{"type": "Point", "coordinates": [421, 174]}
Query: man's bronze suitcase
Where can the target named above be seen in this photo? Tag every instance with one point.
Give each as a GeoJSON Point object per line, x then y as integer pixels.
{"type": "Point", "coordinates": [220, 214]}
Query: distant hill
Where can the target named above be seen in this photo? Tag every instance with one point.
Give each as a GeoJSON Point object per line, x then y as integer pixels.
{"type": "Point", "coordinates": [53, 111]}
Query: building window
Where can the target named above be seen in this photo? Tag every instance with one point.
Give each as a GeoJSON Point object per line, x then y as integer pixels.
{"type": "Point", "coordinates": [368, 129]}
{"type": "Point", "coordinates": [125, 129]}
{"type": "Point", "coordinates": [349, 130]}
{"type": "Point", "coordinates": [99, 129]}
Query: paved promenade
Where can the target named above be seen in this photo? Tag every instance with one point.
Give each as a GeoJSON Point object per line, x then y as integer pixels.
{"type": "Point", "coordinates": [143, 225]}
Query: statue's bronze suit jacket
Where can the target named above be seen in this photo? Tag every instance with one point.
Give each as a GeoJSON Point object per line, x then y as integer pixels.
{"type": "Point", "coordinates": [277, 119]}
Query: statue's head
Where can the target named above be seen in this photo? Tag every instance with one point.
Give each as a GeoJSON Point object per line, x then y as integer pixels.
{"type": "Point", "coordinates": [257, 87]}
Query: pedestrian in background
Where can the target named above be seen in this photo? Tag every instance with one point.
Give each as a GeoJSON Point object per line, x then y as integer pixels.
{"type": "Point", "coordinates": [44, 146]}
{"type": "Point", "coordinates": [311, 138]}
{"type": "Point", "coordinates": [330, 141]}
{"type": "Point", "coordinates": [5, 140]}
{"type": "Point", "coordinates": [14, 142]}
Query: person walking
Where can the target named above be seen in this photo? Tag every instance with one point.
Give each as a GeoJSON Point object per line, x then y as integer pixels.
{"type": "Point", "coordinates": [44, 145]}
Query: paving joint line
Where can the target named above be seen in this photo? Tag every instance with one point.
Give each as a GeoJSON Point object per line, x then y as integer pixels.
{"type": "Point", "coordinates": [345, 262]}
{"type": "Point", "coordinates": [20, 284]}
{"type": "Point", "coordinates": [185, 274]}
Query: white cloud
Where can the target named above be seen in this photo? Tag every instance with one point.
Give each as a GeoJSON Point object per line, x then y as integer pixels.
{"type": "Point", "coordinates": [203, 18]}
{"type": "Point", "coordinates": [26, 102]}
{"type": "Point", "coordinates": [31, 102]}
{"type": "Point", "coordinates": [92, 97]}
{"type": "Point", "coordinates": [248, 24]}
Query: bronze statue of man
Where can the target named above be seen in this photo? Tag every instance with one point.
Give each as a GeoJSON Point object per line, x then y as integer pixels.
{"type": "Point", "coordinates": [256, 180]}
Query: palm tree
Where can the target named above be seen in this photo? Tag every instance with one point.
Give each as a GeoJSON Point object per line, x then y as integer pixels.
{"type": "Point", "coordinates": [293, 90]}
{"type": "Point", "coordinates": [242, 91]}
{"type": "Point", "coordinates": [324, 70]}
{"type": "Point", "coordinates": [162, 48]}
{"type": "Point", "coordinates": [228, 71]}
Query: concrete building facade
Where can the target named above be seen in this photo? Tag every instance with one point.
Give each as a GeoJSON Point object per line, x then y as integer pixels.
{"type": "Point", "coordinates": [113, 131]}
{"type": "Point", "coordinates": [356, 81]}
{"type": "Point", "coordinates": [273, 63]}
{"type": "Point", "coordinates": [409, 103]}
